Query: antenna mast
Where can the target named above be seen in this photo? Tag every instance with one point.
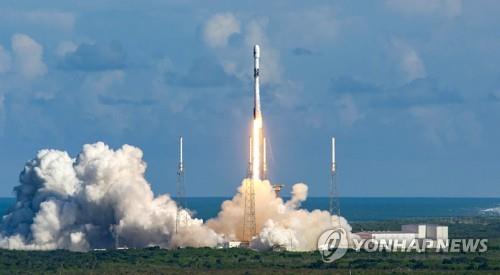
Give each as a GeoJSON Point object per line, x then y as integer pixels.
{"type": "Point", "coordinates": [334, 195]}
{"type": "Point", "coordinates": [181, 217]}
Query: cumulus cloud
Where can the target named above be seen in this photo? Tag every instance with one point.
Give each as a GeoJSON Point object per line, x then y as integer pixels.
{"type": "Point", "coordinates": [348, 110]}
{"type": "Point", "coordinates": [219, 28]}
{"type": "Point", "coordinates": [202, 73]}
{"type": "Point", "coordinates": [449, 8]}
{"type": "Point", "coordinates": [271, 68]}
{"type": "Point", "coordinates": [5, 60]}
{"type": "Point", "coordinates": [94, 57]}
{"type": "Point", "coordinates": [250, 32]}
{"type": "Point", "coordinates": [310, 27]}
{"type": "Point", "coordinates": [444, 125]}
{"type": "Point", "coordinates": [66, 47]}
{"type": "Point", "coordinates": [28, 56]}
{"type": "Point", "coordinates": [409, 60]}
{"type": "Point", "coordinates": [419, 92]}
{"type": "Point", "coordinates": [438, 111]}
{"type": "Point", "coordinates": [301, 51]}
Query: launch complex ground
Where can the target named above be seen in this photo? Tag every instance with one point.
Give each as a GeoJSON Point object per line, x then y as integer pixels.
{"type": "Point", "coordinates": [246, 261]}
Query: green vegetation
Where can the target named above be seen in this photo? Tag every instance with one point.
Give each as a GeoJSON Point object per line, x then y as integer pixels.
{"type": "Point", "coordinates": [245, 261]}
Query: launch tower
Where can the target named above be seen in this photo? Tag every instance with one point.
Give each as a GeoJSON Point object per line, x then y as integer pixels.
{"type": "Point", "coordinates": [257, 164]}
{"type": "Point", "coordinates": [181, 217]}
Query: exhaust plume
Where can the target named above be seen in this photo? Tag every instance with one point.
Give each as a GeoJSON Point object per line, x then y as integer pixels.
{"type": "Point", "coordinates": [278, 223]}
{"type": "Point", "coordinates": [91, 201]}
{"type": "Point", "coordinates": [101, 198]}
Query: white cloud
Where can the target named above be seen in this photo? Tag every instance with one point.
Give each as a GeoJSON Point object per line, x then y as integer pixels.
{"type": "Point", "coordinates": [219, 28]}
{"type": "Point", "coordinates": [348, 111]}
{"type": "Point", "coordinates": [410, 62]}
{"type": "Point", "coordinates": [270, 64]}
{"type": "Point", "coordinates": [237, 60]}
{"type": "Point", "coordinates": [309, 27]}
{"type": "Point", "coordinates": [448, 8]}
{"type": "Point", "coordinates": [102, 84]}
{"type": "Point", "coordinates": [28, 56]}
{"type": "Point", "coordinates": [5, 60]}
{"type": "Point", "coordinates": [66, 47]}
{"type": "Point", "coordinates": [54, 19]}
{"type": "Point", "coordinates": [444, 125]}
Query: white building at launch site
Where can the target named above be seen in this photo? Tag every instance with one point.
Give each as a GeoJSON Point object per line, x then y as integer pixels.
{"type": "Point", "coordinates": [430, 233]}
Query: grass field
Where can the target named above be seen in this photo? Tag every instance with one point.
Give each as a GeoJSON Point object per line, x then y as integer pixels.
{"type": "Point", "coordinates": [245, 261]}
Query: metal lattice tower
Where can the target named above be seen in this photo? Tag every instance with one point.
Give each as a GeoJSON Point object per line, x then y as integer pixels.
{"type": "Point", "coordinates": [181, 217]}
{"type": "Point", "coordinates": [334, 194]}
{"type": "Point", "coordinates": [117, 237]}
{"type": "Point", "coordinates": [249, 225]}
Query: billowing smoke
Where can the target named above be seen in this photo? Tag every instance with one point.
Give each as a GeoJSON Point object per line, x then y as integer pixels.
{"type": "Point", "coordinates": [491, 211]}
{"type": "Point", "coordinates": [101, 199]}
{"type": "Point", "coordinates": [94, 201]}
{"type": "Point", "coordinates": [279, 224]}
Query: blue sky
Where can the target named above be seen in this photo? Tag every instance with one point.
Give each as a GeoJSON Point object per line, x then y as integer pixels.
{"type": "Point", "coordinates": [411, 90]}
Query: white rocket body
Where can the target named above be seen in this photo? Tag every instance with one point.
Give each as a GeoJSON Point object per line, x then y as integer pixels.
{"type": "Point", "coordinates": [257, 168]}
{"type": "Point", "coordinates": [256, 57]}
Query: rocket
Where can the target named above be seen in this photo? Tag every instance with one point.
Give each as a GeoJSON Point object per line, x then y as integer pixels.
{"type": "Point", "coordinates": [257, 164]}
{"type": "Point", "coordinates": [256, 105]}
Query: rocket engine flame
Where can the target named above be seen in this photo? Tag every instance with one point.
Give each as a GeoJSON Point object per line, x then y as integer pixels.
{"type": "Point", "coordinates": [257, 140]}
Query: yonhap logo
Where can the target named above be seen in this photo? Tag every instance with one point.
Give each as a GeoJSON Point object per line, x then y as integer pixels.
{"type": "Point", "coordinates": [333, 244]}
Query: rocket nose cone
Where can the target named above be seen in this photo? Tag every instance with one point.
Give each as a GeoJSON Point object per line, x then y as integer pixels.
{"type": "Point", "coordinates": [256, 51]}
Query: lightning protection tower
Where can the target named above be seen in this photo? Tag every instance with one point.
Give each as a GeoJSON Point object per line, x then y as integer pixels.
{"type": "Point", "coordinates": [181, 217]}
{"type": "Point", "coordinates": [249, 225]}
{"type": "Point", "coordinates": [334, 194]}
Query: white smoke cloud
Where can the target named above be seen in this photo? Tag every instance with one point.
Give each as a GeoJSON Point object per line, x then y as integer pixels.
{"type": "Point", "coordinates": [219, 28]}
{"type": "Point", "coordinates": [87, 201]}
{"type": "Point", "coordinates": [102, 196]}
{"type": "Point", "coordinates": [28, 56]}
{"type": "Point", "coordinates": [494, 210]}
{"type": "Point", "coordinates": [278, 223]}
